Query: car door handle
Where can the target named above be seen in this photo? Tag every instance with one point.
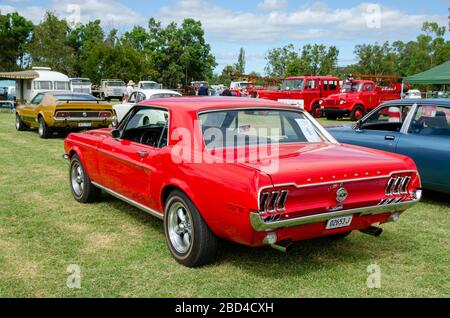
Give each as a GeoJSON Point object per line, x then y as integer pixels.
{"type": "Point", "coordinates": [143, 154]}
{"type": "Point", "coordinates": [389, 137]}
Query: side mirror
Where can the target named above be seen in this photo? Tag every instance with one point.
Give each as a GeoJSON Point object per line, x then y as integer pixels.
{"type": "Point", "coordinates": [115, 133]}
{"type": "Point", "coordinates": [358, 125]}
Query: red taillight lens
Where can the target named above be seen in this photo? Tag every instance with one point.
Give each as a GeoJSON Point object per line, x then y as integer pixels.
{"type": "Point", "coordinates": [104, 114]}
{"type": "Point", "coordinates": [62, 114]}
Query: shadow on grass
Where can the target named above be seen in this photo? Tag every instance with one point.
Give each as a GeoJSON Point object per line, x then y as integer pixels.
{"type": "Point", "coordinates": [435, 198]}
{"type": "Point", "coordinates": [306, 257]}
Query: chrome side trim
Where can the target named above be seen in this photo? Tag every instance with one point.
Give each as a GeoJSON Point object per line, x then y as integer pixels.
{"type": "Point", "coordinates": [138, 205]}
{"type": "Point", "coordinates": [259, 225]}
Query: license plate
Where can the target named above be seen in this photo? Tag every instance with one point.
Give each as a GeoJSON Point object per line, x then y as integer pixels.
{"type": "Point", "coordinates": [84, 124]}
{"type": "Point", "coordinates": [339, 222]}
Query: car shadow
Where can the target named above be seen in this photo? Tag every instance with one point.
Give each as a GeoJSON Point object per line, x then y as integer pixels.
{"type": "Point", "coordinates": [306, 257]}
{"type": "Point", "coordinates": [434, 197]}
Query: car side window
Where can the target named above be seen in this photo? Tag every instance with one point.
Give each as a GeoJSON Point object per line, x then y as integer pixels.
{"type": "Point", "coordinates": [389, 118]}
{"type": "Point", "coordinates": [368, 88]}
{"type": "Point", "coordinates": [311, 84]}
{"type": "Point", "coordinates": [37, 99]}
{"type": "Point", "coordinates": [148, 126]}
{"type": "Point", "coordinates": [140, 97]}
{"type": "Point", "coordinates": [431, 120]}
{"type": "Point", "coordinates": [132, 98]}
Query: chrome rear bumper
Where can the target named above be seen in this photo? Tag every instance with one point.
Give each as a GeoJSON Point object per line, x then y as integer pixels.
{"type": "Point", "coordinates": [259, 225]}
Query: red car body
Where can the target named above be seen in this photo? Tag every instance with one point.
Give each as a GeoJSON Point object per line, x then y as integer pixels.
{"type": "Point", "coordinates": [308, 95]}
{"type": "Point", "coordinates": [356, 103]}
{"type": "Point", "coordinates": [232, 197]}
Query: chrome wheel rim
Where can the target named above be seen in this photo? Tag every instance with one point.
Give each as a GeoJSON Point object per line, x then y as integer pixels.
{"type": "Point", "coordinates": [41, 128]}
{"type": "Point", "coordinates": [180, 227]}
{"type": "Point", "coordinates": [77, 178]}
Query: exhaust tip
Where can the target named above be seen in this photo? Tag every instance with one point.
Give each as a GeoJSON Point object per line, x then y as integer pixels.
{"type": "Point", "coordinates": [372, 230]}
{"type": "Point", "coordinates": [284, 247]}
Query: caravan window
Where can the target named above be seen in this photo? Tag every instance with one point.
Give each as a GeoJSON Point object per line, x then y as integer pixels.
{"type": "Point", "coordinates": [62, 86]}
{"type": "Point", "coordinates": [43, 85]}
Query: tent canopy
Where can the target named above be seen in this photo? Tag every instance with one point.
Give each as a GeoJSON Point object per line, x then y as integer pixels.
{"type": "Point", "coordinates": [26, 75]}
{"type": "Point", "coordinates": [437, 75]}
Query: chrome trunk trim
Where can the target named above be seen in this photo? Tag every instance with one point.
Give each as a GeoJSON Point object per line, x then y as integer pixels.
{"type": "Point", "coordinates": [259, 225]}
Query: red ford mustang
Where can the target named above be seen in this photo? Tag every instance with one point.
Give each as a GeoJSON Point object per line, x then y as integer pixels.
{"type": "Point", "coordinates": [250, 171]}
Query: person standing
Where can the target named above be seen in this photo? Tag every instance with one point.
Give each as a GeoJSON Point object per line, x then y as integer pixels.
{"type": "Point", "coordinates": [203, 90]}
{"type": "Point", "coordinates": [130, 87]}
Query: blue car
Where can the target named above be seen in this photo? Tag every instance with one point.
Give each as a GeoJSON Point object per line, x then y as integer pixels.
{"type": "Point", "coordinates": [418, 128]}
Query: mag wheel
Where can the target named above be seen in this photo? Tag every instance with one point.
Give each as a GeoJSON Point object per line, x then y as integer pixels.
{"type": "Point", "coordinates": [82, 188]}
{"type": "Point", "coordinates": [20, 125]}
{"type": "Point", "coordinates": [188, 237]}
{"type": "Point", "coordinates": [44, 131]}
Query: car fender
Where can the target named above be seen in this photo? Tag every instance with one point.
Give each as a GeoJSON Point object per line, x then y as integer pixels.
{"type": "Point", "coordinates": [75, 150]}
{"type": "Point", "coordinates": [313, 102]}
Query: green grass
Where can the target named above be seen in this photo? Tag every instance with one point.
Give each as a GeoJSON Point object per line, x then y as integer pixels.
{"type": "Point", "coordinates": [122, 251]}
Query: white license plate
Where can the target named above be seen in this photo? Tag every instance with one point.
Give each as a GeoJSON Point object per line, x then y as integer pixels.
{"type": "Point", "coordinates": [338, 222]}
{"type": "Point", "coordinates": [84, 124]}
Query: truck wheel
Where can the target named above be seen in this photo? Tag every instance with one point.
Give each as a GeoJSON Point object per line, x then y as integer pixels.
{"type": "Point", "coordinates": [357, 113]}
{"type": "Point", "coordinates": [20, 125]}
{"type": "Point", "coordinates": [331, 116]}
{"type": "Point", "coordinates": [44, 131]}
{"type": "Point", "coordinates": [188, 237]}
{"type": "Point", "coordinates": [82, 188]}
{"type": "Point", "coordinates": [316, 111]}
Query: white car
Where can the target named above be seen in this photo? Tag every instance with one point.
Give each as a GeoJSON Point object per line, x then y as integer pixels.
{"type": "Point", "coordinates": [413, 94]}
{"type": "Point", "coordinates": [140, 95]}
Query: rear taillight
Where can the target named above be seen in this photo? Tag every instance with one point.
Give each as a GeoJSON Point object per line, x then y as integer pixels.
{"type": "Point", "coordinates": [397, 185]}
{"type": "Point", "coordinates": [62, 114]}
{"type": "Point", "coordinates": [104, 114]}
{"type": "Point", "coordinates": [274, 201]}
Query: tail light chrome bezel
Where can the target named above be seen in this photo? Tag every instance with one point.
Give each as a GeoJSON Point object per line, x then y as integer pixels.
{"type": "Point", "coordinates": [273, 201]}
{"type": "Point", "coordinates": [398, 185]}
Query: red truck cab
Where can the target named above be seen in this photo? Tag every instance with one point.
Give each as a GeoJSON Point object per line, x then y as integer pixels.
{"type": "Point", "coordinates": [357, 98]}
{"type": "Point", "coordinates": [304, 91]}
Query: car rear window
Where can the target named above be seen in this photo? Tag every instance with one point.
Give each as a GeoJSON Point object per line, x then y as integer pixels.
{"type": "Point", "coordinates": [75, 97]}
{"type": "Point", "coordinates": [237, 128]}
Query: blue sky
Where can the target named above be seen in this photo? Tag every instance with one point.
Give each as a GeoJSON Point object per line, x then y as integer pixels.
{"type": "Point", "coordinates": [257, 25]}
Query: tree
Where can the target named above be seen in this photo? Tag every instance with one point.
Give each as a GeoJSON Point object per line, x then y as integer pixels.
{"type": "Point", "coordinates": [278, 60]}
{"type": "Point", "coordinates": [15, 34]}
{"type": "Point", "coordinates": [50, 45]}
{"type": "Point", "coordinates": [314, 60]}
{"type": "Point", "coordinates": [240, 65]}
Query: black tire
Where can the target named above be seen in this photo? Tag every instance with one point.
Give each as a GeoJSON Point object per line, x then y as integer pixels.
{"type": "Point", "coordinates": [338, 236]}
{"type": "Point", "coordinates": [86, 193]}
{"type": "Point", "coordinates": [202, 241]}
{"type": "Point", "coordinates": [44, 131]}
{"type": "Point", "coordinates": [354, 114]}
{"type": "Point", "coordinates": [20, 125]}
{"type": "Point", "coordinates": [316, 112]}
{"type": "Point", "coordinates": [331, 116]}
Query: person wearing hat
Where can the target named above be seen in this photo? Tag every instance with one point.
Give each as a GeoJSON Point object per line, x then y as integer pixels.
{"type": "Point", "coordinates": [130, 87]}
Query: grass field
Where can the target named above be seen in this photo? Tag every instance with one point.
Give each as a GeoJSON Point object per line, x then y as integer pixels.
{"type": "Point", "coordinates": [122, 252]}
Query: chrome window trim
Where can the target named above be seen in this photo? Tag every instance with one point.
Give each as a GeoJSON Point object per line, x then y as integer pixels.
{"type": "Point", "coordinates": [409, 119]}
{"type": "Point", "coordinates": [132, 202]}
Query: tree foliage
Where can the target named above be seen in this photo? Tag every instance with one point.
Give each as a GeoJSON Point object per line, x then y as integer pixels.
{"type": "Point", "coordinates": [15, 34]}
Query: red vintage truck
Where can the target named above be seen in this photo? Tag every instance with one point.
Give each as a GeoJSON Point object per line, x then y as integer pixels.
{"type": "Point", "coordinates": [304, 91]}
{"type": "Point", "coordinates": [358, 97]}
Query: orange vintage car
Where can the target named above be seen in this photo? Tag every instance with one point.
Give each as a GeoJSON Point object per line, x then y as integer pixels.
{"type": "Point", "coordinates": [56, 111]}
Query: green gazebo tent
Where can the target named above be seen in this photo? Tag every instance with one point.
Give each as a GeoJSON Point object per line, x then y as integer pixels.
{"type": "Point", "coordinates": [437, 75]}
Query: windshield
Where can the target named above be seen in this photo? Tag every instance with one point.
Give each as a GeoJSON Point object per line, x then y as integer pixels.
{"type": "Point", "coordinates": [292, 85]}
{"type": "Point", "coordinates": [80, 82]}
{"type": "Point", "coordinates": [351, 87]}
{"type": "Point", "coordinates": [150, 85]}
{"type": "Point", "coordinates": [115, 84]}
{"type": "Point", "coordinates": [237, 128]}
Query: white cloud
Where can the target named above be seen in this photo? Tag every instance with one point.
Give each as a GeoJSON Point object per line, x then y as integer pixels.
{"type": "Point", "coordinates": [272, 4]}
{"type": "Point", "coordinates": [317, 21]}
